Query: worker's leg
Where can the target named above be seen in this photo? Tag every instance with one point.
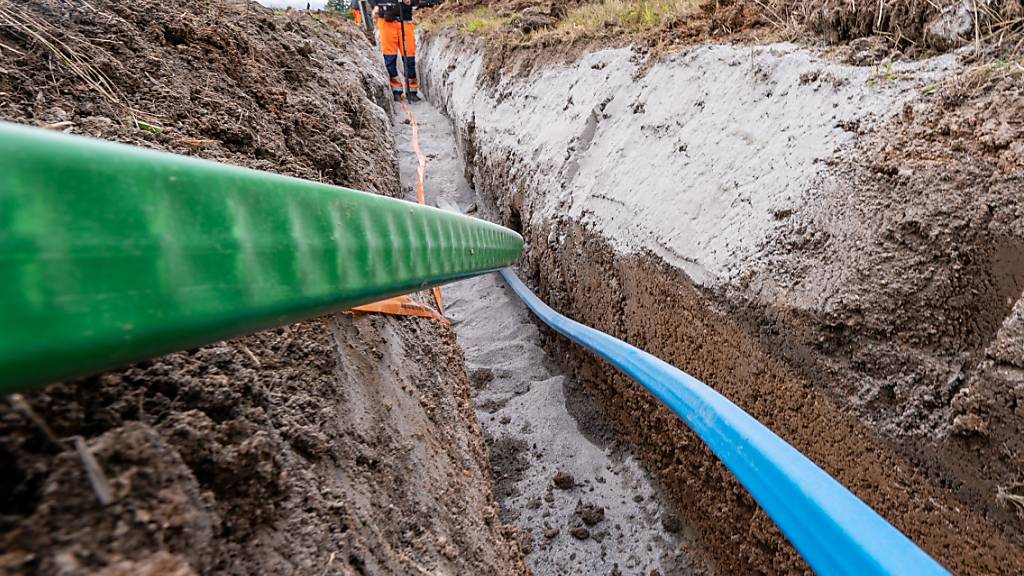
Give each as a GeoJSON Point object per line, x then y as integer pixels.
{"type": "Point", "coordinates": [410, 59]}
{"type": "Point", "coordinates": [357, 15]}
{"type": "Point", "coordinates": [390, 40]}
{"type": "Point", "coordinates": [391, 63]}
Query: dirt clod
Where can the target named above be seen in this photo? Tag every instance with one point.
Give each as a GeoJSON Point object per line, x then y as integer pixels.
{"type": "Point", "coordinates": [580, 532]}
{"type": "Point", "coordinates": [563, 480]}
{"type": "Point", "coordinates": [481, 376]}
{"type": "Point", "coordinates": [590, 513]}
{"type": "Point", "coordinates": [671, 523]}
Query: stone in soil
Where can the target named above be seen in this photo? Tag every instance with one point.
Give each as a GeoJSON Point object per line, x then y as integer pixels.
{"type": "Point", "coordinates": [563, 480]}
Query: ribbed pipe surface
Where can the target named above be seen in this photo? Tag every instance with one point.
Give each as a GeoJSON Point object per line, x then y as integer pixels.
{"type": "Point", "coordinates": [110, 254]}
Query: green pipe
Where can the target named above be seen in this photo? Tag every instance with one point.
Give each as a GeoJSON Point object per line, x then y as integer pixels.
{"type": "Point", "coordinates": [110, 254]}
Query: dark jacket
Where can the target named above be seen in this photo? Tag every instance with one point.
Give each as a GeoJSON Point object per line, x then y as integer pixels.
{"type": "Point", "coordinates": [395, 10]}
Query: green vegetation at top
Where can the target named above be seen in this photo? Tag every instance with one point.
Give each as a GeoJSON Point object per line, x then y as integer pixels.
{"type": "Point", "coordinates": [480, 21]}
{"type": "Point", "coordinates": [622, 16]}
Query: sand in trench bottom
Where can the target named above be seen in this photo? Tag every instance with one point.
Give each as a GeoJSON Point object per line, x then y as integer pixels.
{"type": "Point", "coordinates": [580, 500]}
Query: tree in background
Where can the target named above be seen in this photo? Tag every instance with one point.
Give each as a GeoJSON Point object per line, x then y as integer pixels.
{"type": "Point", "coordinates": [337, 6]}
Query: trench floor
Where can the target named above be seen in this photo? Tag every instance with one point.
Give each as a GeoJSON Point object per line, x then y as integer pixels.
{"type": "Point", "coordinates": [581, 501]}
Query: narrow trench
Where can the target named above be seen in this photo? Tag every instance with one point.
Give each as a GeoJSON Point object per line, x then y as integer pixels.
{"type": "Point", "coordinates": [581, 501]}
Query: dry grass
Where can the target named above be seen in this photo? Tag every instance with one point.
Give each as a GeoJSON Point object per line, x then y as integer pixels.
{"type": "Point", "coordinates": [69, 51]}
{"type": "Point", "coordinates": [998, 25]}
{"type": "Point", "coordinates": [615, 17]}
{"type": "Point", "coordinates": [480, 21]}
{"type": "Point", "coordinates": [982, 77]}
{"type": "Point", "coordinates": [996, 70]}
{"type": "Point", "coordinates": [596, 19]}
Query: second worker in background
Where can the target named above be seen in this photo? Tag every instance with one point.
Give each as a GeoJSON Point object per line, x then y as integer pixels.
{"type": "Point", "coordinates": [398, 36]}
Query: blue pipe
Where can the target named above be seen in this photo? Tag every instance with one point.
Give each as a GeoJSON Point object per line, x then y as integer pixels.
{"type": "Point", "coordinates": [834, 530]}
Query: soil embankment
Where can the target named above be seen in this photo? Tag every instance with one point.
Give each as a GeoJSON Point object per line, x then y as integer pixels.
{"type": "Point", "coordinates": [831, 245]}
{"type": "Point", "coordinates": [339, 445]}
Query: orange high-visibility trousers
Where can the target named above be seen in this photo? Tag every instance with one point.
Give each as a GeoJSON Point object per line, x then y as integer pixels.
{"type": "Point", "coordinates": [357, 15]}
{"type": "Point", "coordinates": [391, 46]}
{"type": "Point", "coordinates": [391, 37]}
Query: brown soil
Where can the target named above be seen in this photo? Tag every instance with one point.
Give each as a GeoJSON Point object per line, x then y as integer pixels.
{"type": "Point", "coordinates": [923, 347]}
{"type": "Point", "coordinates": [225, 80]}
{"type": "Point", "coordinates": [584, 279]}
{"type": "Point", "coordinates": [338, 445]}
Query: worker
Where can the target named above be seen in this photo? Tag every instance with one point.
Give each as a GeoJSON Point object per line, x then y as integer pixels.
{"type": "Point", "coordinates": [398, 36]}
{"type": "Point", "coordinates": [357, 14]}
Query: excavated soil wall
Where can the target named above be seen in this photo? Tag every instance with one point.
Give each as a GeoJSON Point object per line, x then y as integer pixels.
{"type": "Point", "coordinates": [339, 445]}
{"type": "Point", "coordinates": [598, 174]}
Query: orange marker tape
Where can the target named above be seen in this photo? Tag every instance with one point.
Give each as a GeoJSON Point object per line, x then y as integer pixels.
{"type": "Point", "coordinates": [400, 306]}
{"type": "Point", "coordinates": [403, 305]}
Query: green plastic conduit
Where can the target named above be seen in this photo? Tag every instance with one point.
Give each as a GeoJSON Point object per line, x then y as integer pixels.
{"type": "Point", "coordinates": [110, 254]}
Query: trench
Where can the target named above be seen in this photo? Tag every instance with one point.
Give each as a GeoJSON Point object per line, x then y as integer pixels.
{"type": "Point", "coordinates": [581, 500]}
{"type": "Point", "coordinates": [549, 168]}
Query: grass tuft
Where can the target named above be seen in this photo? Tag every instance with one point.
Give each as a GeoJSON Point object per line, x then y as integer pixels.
{"type": "Point", "coordinates": [618, 16]}
{"type": "Point", "coordinates": [481, 21]}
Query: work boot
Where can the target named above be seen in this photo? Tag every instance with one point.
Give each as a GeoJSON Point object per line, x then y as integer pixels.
{"type": "Point", "coordinates": [413, 97]}
{"type": "Point", "coordinates": [397, 96]}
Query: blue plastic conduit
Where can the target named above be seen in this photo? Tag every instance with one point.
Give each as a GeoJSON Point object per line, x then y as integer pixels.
{"type": "Point", "coordinates": [834, 530]}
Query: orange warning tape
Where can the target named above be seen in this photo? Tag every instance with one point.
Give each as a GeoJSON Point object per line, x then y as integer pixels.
{"type": "Point", "coordinates": [403, 305]}
{"type": "Point", "coordinates": [421, 170]}
{"type": "Point", "coordinates": [421, 160]}
{"type": "Point", "coordinates": [400, 306]}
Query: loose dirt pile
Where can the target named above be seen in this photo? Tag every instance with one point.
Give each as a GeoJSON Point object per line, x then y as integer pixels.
{"type": "Point", "coordinates": [226, 80]}
{"type": "Point", "coordinates": [338, 445]}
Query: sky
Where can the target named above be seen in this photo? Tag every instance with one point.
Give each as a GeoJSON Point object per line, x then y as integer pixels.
{"type": "Point", "coordinates": [315, 4]}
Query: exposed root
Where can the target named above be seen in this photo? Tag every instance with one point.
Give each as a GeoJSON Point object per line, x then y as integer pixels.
{"type": "Point", "coordinates": [1011, 500]}
{"type": "Point", "coordinates": [19, 403]}
{"type": "Point", "coordinates": [249, 353]}
{"type": "Point", "coordinates": [97, 479]}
